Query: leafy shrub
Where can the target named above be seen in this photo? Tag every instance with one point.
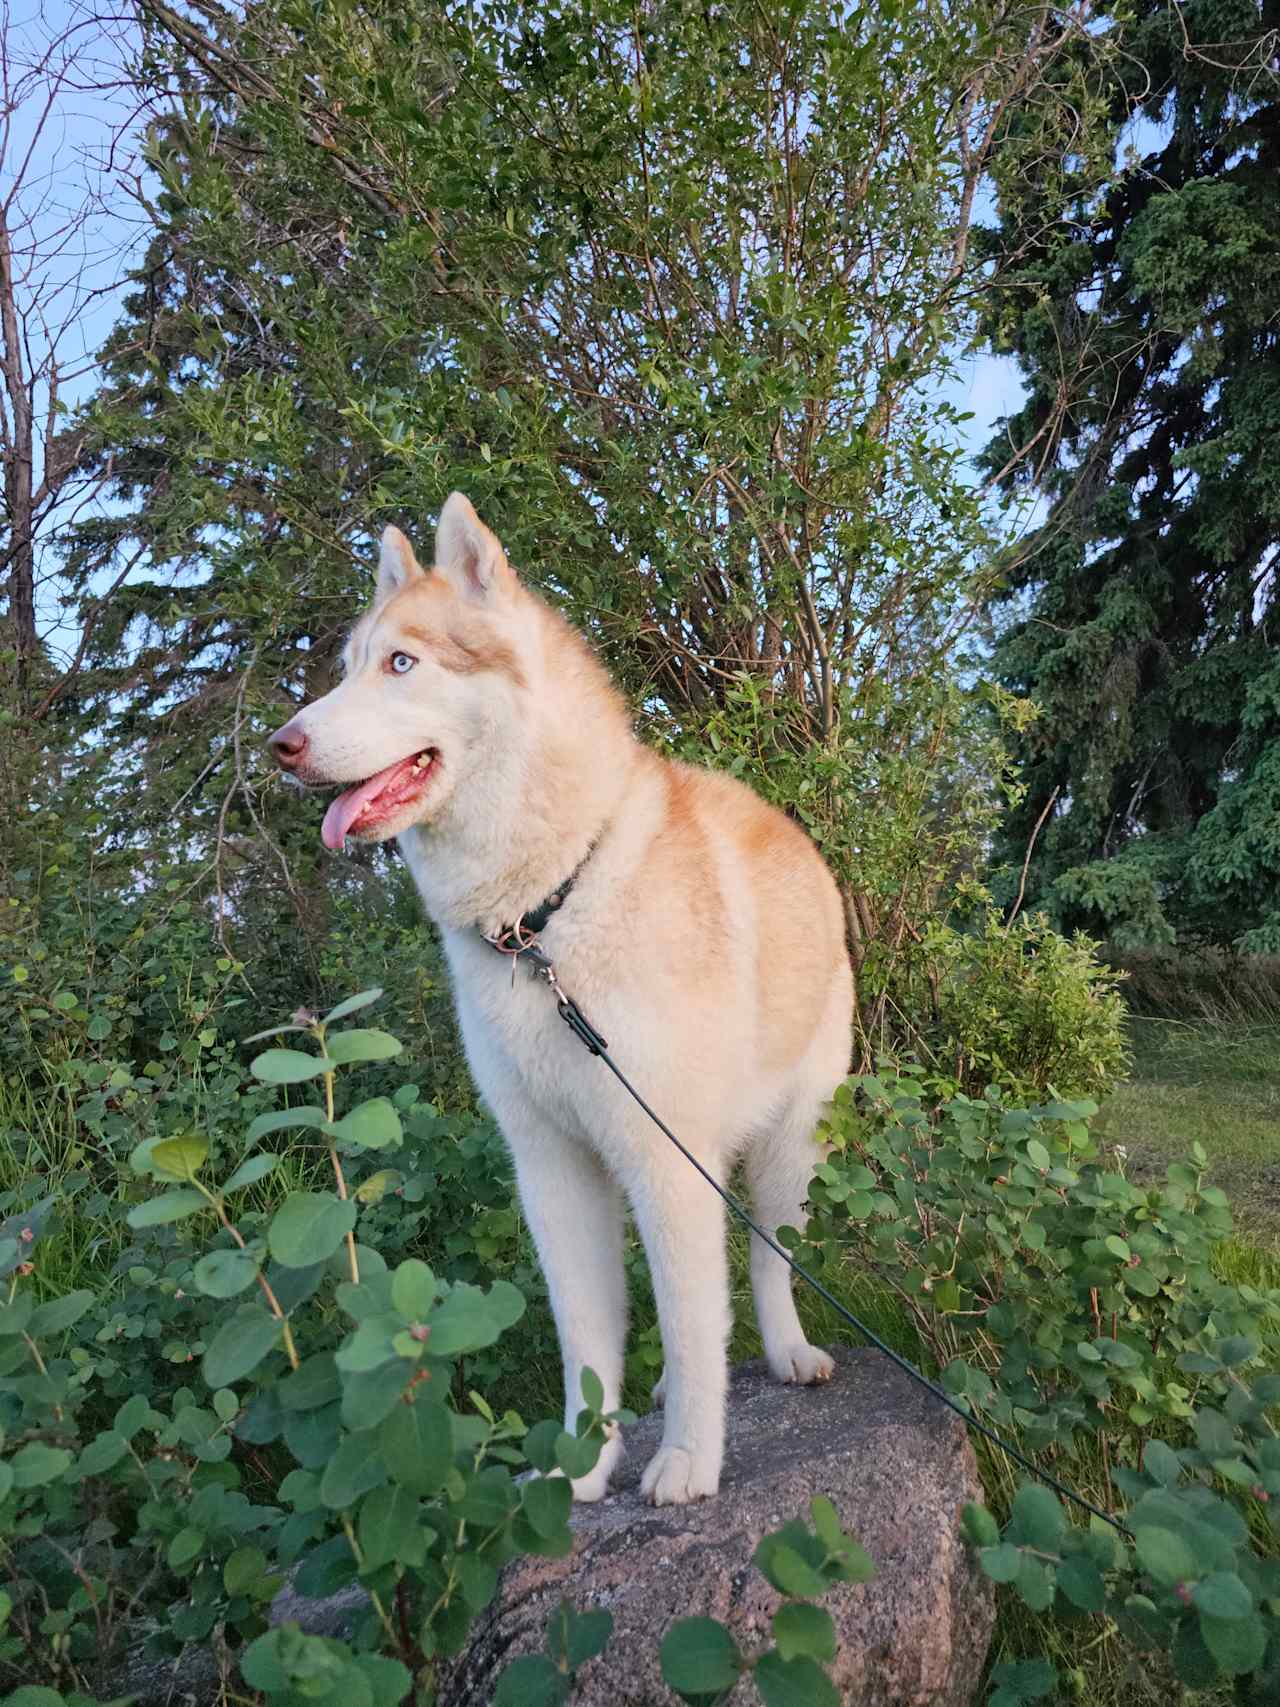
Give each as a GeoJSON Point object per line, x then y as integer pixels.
{"type": "Point", "coordinates": [333, 1434]}
{"type": "Point", "coordinates": [1063, 1301]}
{"type": "Point", "coordinates": [1017, 1006]}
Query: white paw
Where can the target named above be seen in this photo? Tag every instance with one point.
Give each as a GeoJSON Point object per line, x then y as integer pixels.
{"type": "Point", "coordinates": [670, 1478]}
{"type": "Point", "coordinates": [659, 1391]}
{"type": "Point", "coordinates": [802, 1363]}
{"type": "Point", "coordinates": [595, 1484]}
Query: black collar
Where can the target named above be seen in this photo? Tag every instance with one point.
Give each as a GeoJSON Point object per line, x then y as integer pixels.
{"type": "Point", "coordinates": [533, 923]}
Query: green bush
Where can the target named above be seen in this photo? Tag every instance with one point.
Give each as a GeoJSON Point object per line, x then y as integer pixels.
{"type": "Point", "coordinates": [1066, 1303]}
{"type": "Point", "coordinates": [254, 1390]}
{"type": "Point", "coordinates": [1012, 1005]}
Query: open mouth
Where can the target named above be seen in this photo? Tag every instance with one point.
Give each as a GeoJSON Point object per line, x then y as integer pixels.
{"type": "Point", "coordinates": [367, 804]}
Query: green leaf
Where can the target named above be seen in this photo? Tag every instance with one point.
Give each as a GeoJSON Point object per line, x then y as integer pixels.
{"type": "Point", "coordinates": [36, 1464]}
{"type": "Point", "coordinates": [468, 1319]}
{"type": "Point", "coordinates": [1027, 1680]}
{"type": "Point", "coordinates": [416, 1442]}
{"type": "Point", "coordinates": [1237, 1349]}
{"type": "Point", "coordinates": [1003, 1563]}
{"type": "Point", "coordinates": [1162, 1462]}
{"type": "Point", "coordinates": [281, 1118]}
{"type": "Point", "coordinates": [1038, 1156]}
{"type": "Point", "coordinates": [313, 1383]}
{"type": "Point", "coordinates": [102, 1454]}
{"type": "Point", "coordinates": [131, 1416]}
{"type": "Point", "coordinates": [308, 1227]}
{"type": "Point", "coordinates": [347, 1046]}
{"type": "Point", "coordinates": [539, 1445]}
{"type": "Point", "coordinates": [59, 1314]}
{"type": "Point", "coordinates": [477, 1578]}
{"type": "Point", "coordinates": [531, 1681]}
{"type": "Point", "coordinates": [372, 1345]}
{"type": "Point", "coordinates": [173, 1206]}
{"type": "Point", "coordinates": [1237, 1644]}
{"type": "Point", "coordinates": [289, 1067]}
{"type": "Point", "coordinates": [185, 1547]}
{"type": "Point", "coordinates": [413, 1290]}
{"type": "Point", "coordinates": [352, 1005]}
{"type": "Point", "coordinates": [226, 1404]}
{"type": "Point", "coordinates": [980, 1527]}
{"type": "Point", "coordinates": [355, 1469]}
{"type": "Point", "coordinates": [1082, 1583]}
{"type": "Point", "coordinates": [389, 1681]}
{"type": "Point", "coordinates": [794, 1575]}
{"type": "Point", "coordinates": [1222, 1595]}
{"type": "Point", "coordinates": [546, 1501]}
{"type": "Point", "coordinates": [488, 1497]}
{"type": "Point", "coordinates": [592, 1391]}
{"type": "Point", "coordinates": [373, 1125]}
{"type": "Point", "coordinates": [245, 1567]}
{"type": "Point", "coordinates": [180, 1158]}
{"type": "Point", "coordinates": [239, 1346]}
{"type": "Point", "coordinates": [799, 1682]}
{"type": "Point", "coordinates": [251, 1171]}
{"type": "Point", "coordinates": [826, 1521]}
{"type": "Point", "coordinates": [574, 1637]}
{"type": "Point", "coordinates": [391, 1530]}
{"type": "Point", "coordinates": [576, 1454]}
{"type": "Point", "coordinates": [1165, 1556]}
{"type": "Point", "coordinates": [1037, 1518]}
{"type": "Point", "coordinates": [699, 1657]}
{"type": "Point", "coordinates": [799, 1628]}
{"type": "Point", "coordinates": [222, 1274]}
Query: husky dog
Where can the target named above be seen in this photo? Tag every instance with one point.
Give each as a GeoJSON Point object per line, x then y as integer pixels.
{"type": "Point", "coordinates": [702, 935]}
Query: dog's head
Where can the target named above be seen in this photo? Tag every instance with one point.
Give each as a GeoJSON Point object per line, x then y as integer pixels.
{"type": "Point", "coordinates": [432, 679]}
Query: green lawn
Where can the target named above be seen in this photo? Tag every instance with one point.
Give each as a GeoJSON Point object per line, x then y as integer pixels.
{"type": "Point", "coordinates": [1218, 1085]}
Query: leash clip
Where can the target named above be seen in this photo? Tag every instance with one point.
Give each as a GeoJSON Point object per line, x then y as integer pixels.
{"type": "Point", "coordinates": [520, 943]}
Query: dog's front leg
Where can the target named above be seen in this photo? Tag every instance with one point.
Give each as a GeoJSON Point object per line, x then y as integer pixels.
{"type": "Point", "coordinates": [574, 1212]}
{"type": "Point", "coordinates": [682, 1227]}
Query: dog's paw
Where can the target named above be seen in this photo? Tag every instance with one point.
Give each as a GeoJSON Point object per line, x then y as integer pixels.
{"type": "Point", "coordinates": [802, 1363]}
{"type": "Point", "coordinates": [671, 1478]}
{"type": "Point", "coordinates": [658, 1393]}
{"type": "Point", "coordinates": [595, 1484]}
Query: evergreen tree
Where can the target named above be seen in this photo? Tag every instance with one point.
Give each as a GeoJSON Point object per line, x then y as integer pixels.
{"type": "Point", "coordinates": [1143, 613]}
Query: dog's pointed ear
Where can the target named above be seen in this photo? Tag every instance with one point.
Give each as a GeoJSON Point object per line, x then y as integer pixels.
{"type": "Point", "coordinates": [397, 565]}
{"type": "Point", "coordinates": [467, 554]}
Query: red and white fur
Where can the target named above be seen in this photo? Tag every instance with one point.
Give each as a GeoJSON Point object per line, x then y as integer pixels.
{"type": "Point", "coordinates": [704, 938]}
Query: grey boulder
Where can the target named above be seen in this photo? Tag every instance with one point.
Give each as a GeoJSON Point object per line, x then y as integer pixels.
{"type": "Point", "coordinates": [898, 1467]}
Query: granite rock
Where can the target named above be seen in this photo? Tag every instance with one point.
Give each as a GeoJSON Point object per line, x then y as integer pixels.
{"type": "Point", "coordinates": [897, 1466]}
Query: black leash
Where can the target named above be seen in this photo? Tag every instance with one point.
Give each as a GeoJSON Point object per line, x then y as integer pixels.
{"type": "Point", "coordinates": [520, 942]}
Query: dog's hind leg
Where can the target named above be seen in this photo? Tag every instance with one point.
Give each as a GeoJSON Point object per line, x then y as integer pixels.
{"type": "Point", "coordinates": [779, 1165]}
{"type": "Point", "coordinates": [575, 1215]}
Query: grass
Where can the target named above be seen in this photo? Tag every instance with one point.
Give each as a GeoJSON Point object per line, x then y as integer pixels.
{"type": "Point", "coordinates": [1211, 1083]}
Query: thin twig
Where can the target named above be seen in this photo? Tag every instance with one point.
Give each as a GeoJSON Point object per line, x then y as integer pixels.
{"type": "Point", "coordinates": [1022, 886]}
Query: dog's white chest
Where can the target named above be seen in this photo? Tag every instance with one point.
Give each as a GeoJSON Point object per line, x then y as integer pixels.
{"type": "Point", "coordinates": [516, 1040]}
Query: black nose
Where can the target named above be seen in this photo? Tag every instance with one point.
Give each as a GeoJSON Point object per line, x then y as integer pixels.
{"type": "Point", "coordinates": [288, 745]}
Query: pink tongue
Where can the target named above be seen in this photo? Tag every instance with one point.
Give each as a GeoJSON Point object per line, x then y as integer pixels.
{"type": "Point", "coordinates": [348, 806]}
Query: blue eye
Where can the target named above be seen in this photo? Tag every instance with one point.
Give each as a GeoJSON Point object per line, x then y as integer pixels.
{"type": "Point", "coordinates": [402, 663]}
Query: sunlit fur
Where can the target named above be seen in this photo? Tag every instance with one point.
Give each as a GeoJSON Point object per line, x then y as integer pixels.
{"type": "Point", "coordinates": [704, 938]}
